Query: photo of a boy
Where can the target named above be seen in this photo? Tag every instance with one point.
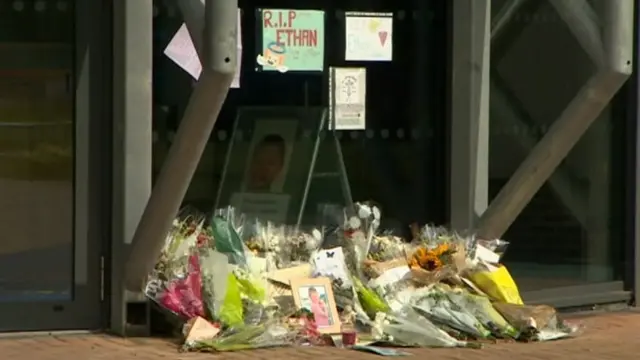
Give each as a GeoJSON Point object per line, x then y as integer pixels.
{"type": "Point", "coordinates": [267, 163]}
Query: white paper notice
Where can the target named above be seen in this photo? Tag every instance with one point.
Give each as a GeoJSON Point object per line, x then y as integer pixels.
{"type": "Point", "coordinates": [368, 38]}
{"type": "Point", "coordinates": [183, 52]}
{"type": "Point", "coordinates": [348, 98]}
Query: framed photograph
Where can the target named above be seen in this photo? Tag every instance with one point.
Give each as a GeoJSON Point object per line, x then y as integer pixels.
{"type": "Point", "coordinates": [316, 295]}
{"type": "Point", "coordinates": [270, 152]}
{"type": "Point", "coordinates": [268, 161]}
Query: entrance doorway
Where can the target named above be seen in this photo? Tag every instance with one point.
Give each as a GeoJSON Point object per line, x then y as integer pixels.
{"type": "Point", "coordinates": [51, 216]}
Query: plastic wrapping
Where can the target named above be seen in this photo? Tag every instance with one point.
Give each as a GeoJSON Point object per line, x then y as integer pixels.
{"type": "Point", "coordinates": [228, 241]}
{"type": "Point", "coordinates": [539, 322]}
{"type": "Point", "coordinates": [175, 282]}
{"type": "Point", "coordinates": [496, 283]}
{"type": "Point", "coordinates": [183, 296]}
{"type": "Point", "coordinates": [497, 246]}
{"type": "Point", "coordinates": [408, 328]}
{"type": "Point", "coordinates": [482, 309]}
{"type": "Point", "coordinates": [434, 303]}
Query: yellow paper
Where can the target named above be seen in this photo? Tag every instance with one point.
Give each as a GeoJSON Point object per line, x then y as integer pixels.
{"type": "Point", "coordinates": [284, 276]}
{"type": "Point", "coordinates": [497, 284]}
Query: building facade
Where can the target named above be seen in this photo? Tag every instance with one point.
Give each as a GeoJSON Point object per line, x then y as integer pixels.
{"type": "Point", "coordinates": [516, 118]}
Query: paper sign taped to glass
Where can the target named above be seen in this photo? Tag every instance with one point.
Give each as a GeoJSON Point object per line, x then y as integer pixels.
{"type": "Point", "coordinates": [182, 51]}
{"type": "Point", "coordinates": [368, 36]}
{"type": "Point", "coordinates": [292, 40]}
{"type": "Point", "coordinates": [347, 94]}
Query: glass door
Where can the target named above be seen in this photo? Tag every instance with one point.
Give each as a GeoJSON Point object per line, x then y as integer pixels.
{"type": "Point", "coordinates": [49, 260]}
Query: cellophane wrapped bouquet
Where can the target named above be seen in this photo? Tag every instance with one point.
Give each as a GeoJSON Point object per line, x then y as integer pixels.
{"type": "Point", "coordinates": [175, 283]}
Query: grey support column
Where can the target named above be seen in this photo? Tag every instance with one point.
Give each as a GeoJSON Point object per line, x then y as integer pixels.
{"type": "Point", "coordinates": [470, 112]}
{"type": "Point", "coordinates": [219, 63]}
{"type": "Point", "coordinates": [585, 107]}
{"type": "Point", "coordinates": [132, 136]}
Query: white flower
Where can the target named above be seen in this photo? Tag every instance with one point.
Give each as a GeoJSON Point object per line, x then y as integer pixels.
{"type": "Point", "coordinates": [378, 325]}
{"type": "Point", "coordinates": [354, 222]}
{"type": "Point", "coordinates": [376, 213]}
{"type": "Point", "coordinates": [364, 211]}
{"type": "Point", "coordinates": [316, 234]}
{"type": "Point", "coordinates": [312, 243]}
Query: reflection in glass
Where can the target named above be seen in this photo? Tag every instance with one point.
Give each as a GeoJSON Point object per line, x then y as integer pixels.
{"type": "Point", "coordinates": [397, 161]}
{"type": "Point", "coordinates": [565, 236]}
{"type": "Point", "coordinates": [36, 151]}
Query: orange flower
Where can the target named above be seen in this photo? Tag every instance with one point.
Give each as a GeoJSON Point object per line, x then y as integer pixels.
{"type": "Point", "coordinates": [431, 262]}
{"type": "Point", "coordinates": [430, 259]}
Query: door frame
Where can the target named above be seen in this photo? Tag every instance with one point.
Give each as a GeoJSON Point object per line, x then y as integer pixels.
{"type": "Point", "coordinates": [92, 184]}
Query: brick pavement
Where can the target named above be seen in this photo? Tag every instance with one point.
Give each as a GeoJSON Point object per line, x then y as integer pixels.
{"type": "Point", "coordinates": [606, 336]}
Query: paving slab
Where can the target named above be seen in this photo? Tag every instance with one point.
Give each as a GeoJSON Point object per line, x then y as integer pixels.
{"type": "Point", "coordinates": [605, 336]}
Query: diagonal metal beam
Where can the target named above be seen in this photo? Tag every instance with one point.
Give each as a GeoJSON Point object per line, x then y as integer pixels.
{"type": "Point", "coordinates": [585, 107]}
{"type": "Point", "coordinates": [584, 24]}
{"type": "Point", "coordinates": [503, 17]}
{"type": "Point", "coordinates": [560, 181]}
{"type": "Point", "coordinates": [578, 15]}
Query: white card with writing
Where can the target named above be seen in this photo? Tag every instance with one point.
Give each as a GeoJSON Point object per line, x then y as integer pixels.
{"type": "Point", "coordinates": [348, 98]}
{"type": "Point", "coordinates": [368, 37]}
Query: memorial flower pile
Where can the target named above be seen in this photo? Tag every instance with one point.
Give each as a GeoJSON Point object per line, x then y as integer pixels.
{"type": "Point", "coordinates": [239, 286]}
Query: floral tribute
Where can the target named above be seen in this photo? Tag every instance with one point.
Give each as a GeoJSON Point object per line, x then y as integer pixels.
{"type": "Point", "coordinates": [437, 289]}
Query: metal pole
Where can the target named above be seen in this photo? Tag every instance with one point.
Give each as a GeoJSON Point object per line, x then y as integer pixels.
{"type": "Point", "coordinates": [469, 147]}
{"type": "Point", "coordinates": [219, 66]}
{"type": "Point", "coordinates": [132, 139]}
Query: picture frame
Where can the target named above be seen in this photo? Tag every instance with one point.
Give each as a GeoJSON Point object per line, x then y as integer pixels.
{"type": "Point", "coordinates": [284, 200]}
{"type": "Point", "coordinates": [316, 295]}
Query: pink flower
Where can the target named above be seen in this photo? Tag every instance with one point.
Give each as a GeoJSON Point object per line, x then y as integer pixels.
{"type": "Point", "coordinates": [184, 296]}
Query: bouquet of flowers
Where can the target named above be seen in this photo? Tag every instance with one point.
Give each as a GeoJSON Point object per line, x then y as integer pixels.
{"type": "Point", "coordinates": [536, 323]}
{"type": "Point", "coordinates": [407, 328]}
{"type": "Point", "coordinates": [438, 254]}
{"type": "Point", "coordinates": [435, 304]}
{"type": "Point", "coordinates": [387, 247]}
{"type": "Point", "coordinates": [283, 246]}
{"type": "Point", "coordinates": [359, 232]}
{"type": "Point", "coordinates": [175, 283]}
{"type": "Point", "coordinates": [296, 328]}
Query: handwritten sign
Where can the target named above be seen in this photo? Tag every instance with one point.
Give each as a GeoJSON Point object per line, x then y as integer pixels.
{"type": "Point", "coordinates": [369, 37]}
{"type": "Point", "coordinates": [292, 40]}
